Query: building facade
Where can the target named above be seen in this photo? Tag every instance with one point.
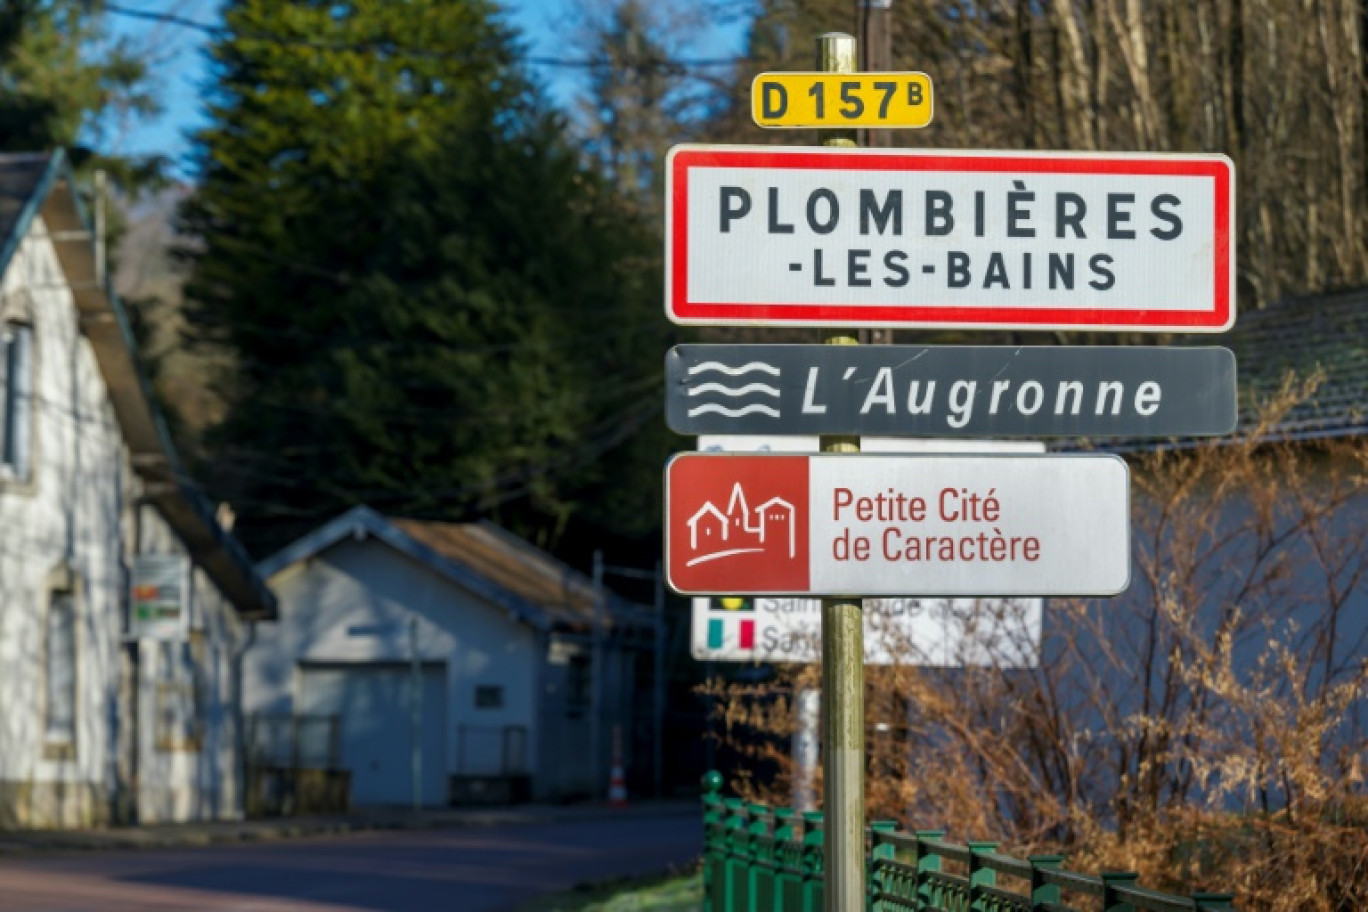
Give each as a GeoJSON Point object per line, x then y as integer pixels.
{"type": "Point", "coordinates": [502, 638]}
{"type": "Point", "coordinates": [96, 724]}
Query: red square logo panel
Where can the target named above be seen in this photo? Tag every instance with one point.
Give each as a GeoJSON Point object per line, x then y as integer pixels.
{"type": "Point", "coordinates": [737, 523]}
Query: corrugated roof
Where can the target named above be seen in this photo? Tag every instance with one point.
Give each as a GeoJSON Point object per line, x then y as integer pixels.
{"type": "Point", "coordinates": [1328, 332]}
{"type": "Point", "coordinates": [512, 563]}
{"type": "Point", "coordinates": [1302, 335]}
{"type": "Point", "coordinates": [490, 562]}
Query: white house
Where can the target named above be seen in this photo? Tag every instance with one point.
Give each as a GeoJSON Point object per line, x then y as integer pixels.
{"type": "Point", "coordinates": [502, 636]}
{"type": "Point", "coordinates": [96, 726]}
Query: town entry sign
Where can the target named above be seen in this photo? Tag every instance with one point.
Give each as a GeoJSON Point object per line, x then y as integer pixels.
{"type": "Point", "coordinates": [789, 236]}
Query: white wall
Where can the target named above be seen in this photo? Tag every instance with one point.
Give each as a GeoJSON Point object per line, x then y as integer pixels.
{"type": "Point", "coordinates": [367, 582]}
{"type": "Point", "coordinates": [76, 513]}
{"type": "Point", "coordinates": [182, 783]}
{"type": "Point", "coordinates": [69, 513]}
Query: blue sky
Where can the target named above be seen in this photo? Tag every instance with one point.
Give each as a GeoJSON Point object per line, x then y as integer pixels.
{"type": "Point", "coordinates": [179, 68]}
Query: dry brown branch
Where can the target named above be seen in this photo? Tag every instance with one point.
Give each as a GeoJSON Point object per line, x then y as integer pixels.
{"type": "Point", "coordinates": [1206, 729]}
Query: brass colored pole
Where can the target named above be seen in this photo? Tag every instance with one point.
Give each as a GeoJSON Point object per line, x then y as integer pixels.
{"type": "Point", "coordinates": [842, 644]}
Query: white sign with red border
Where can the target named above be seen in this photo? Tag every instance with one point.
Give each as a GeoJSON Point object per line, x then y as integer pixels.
{"type": "Point", "coordinates": [944, 525]}
{"type": "Point", "coordinates": [776, 236]}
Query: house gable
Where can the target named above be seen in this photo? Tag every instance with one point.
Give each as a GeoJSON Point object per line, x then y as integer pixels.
{"type": "Point", "coordinates": [39, 189]}
{"type": "Point", "coordinates": [362, 522]}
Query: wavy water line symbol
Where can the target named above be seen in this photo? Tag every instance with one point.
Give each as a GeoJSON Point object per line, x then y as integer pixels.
{"type": "Point", "coordinates": [734, 392]}
{"type": "Point", "coordinates": [747, 368]}
{"type": "Point", "coordinates": [729, 391]}
{"type": "Point", "coordinates": [754, 408]}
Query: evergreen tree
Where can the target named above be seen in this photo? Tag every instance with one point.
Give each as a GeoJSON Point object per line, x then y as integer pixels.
{"type": "Point", "coordinates": [639, 99]}
{"type": "Point", "coordinates": [62, 76]}
{"type": "Point", "coordinates": [429, 305]}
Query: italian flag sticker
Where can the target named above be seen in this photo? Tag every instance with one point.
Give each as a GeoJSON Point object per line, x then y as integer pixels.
{"type": "Point", "coordinates": [733, 625]}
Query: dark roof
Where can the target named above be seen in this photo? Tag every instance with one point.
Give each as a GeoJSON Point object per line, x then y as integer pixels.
{"type": "Point", "coordinates": [1327, 332]}
{"type": "Point", "coordinates": [1297, 336]}
{"type": "Point", "coordinates": [481, 558]}
{"type": "Point", "coordinates": [43, 184]}
{"type": "Point", "coordinates": [20, 176]}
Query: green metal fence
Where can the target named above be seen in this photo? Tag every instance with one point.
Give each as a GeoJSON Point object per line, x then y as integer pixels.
{"type": "Point", "coordinates": [762, 859]}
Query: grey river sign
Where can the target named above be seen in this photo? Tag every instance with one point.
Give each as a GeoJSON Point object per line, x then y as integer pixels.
{"type": "Point", "coordinates": [951, 391]}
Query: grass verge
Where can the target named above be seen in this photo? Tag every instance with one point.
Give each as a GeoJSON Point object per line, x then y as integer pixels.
{"type": "Point", "coordinates": [670, 893]}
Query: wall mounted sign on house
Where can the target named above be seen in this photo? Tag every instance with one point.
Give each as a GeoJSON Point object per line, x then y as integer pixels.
{"type": "Point", "coordinates": [160, 601]}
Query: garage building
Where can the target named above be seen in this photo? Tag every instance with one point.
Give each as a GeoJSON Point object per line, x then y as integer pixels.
{"type": "Point", "coordinates": [502, 638]}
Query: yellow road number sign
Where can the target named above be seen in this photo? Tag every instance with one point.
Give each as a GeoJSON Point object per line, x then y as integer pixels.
{"type": "Point", "coordinates": [794, 100]}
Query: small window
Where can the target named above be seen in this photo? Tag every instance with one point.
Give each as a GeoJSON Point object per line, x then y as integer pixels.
{"type": "Point", "coordinates": [16, 396]}
{"type": "Point", "coordinates": [180, 694]}
{"type": "Point", "coordinates": [59, 707]}
{"type": "Point", "coordinates": [578, 683]}
{"type": "Point", "coordinates": [489, 696]}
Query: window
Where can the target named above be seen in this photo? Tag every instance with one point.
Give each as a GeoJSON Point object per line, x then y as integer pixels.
{"type": "Point", "coordinates": [59, 707]}
{"type": "Point", "coordinates": [180, 694]}
{"type": "Point", "coordinates": [16, 395]}
{"type": "Point", "coordinates": [578, 683]}
{"type": "Point", "coordinates": [488, 696]}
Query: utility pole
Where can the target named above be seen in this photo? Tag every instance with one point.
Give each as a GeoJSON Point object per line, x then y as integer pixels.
{"type": "Point", "coordinates": [416, 712]}
{"type": "Point", "coordinates": [876, 53]}
{"type": "Point", "coordinates": [842, 642]}
{"type": "Point", "coordinates": [596, 682]}
{"type": "Point", "coordinates": [657, 578]}
{"type": "Point", "coordinates": [658, 679]}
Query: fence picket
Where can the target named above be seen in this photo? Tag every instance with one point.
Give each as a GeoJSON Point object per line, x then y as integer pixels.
{"type": "Point", "coordinates": [758, 859]}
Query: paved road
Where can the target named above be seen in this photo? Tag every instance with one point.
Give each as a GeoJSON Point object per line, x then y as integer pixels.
{"type": "Point", "coordinates": [464, 870]}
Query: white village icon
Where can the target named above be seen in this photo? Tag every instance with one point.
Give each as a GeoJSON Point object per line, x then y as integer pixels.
{"type": "Point", "coordinates": [739, 526]}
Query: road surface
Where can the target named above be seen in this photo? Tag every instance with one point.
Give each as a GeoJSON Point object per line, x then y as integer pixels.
{"type": "Point", "coordinates": [475, 869]}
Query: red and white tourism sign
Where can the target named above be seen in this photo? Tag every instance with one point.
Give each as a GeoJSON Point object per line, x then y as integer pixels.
{"type": "Point", "coordinates": [776, 236]}
{"type": "Point", "coordinates": [952, 525]}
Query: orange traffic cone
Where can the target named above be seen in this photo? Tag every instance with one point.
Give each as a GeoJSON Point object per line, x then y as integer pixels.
{"type": "Point", "coordinates": [617, 781]}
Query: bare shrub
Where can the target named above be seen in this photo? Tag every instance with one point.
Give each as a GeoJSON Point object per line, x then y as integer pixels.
{"type": "Point", "coordinates": [1205, 729]}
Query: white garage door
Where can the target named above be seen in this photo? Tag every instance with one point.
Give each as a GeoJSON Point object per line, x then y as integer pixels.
{"type": "Point", "coordinates": [372, 702]}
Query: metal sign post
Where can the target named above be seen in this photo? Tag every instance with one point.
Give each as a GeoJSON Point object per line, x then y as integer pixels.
{"type": "Point", "coordinates": [842, 645]}
{"type": "Point", "coordinates": [840, 236]}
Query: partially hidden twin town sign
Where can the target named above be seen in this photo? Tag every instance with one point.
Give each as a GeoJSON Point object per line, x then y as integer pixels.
{"type": "Point", "coordinates": [777, 236]}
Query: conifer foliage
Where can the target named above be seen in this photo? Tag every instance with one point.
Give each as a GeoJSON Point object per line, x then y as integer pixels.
{"type": "Point", "coordinates": [426, 302]}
